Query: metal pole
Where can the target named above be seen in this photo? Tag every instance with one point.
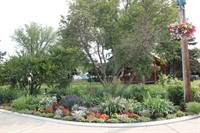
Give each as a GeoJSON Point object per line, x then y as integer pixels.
{"type": "Point", "coordinates": [185, 60]}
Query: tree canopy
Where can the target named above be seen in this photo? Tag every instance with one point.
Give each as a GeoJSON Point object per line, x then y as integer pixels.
{"type": "Point", "coordinates": [34, 39]}
{"type": "Point", "coordinates": [41, 59]}
{"type": "Point", "coordinates": [117, 33]}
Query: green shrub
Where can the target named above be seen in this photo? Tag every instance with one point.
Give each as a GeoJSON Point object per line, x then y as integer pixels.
{"type": "Point", "coordinates": [113, 120]}
{"type": "Point", "coordinates": [180, 113]}
{"type": "Point", "coordinates": [112, 105]}
{"type": "Point", "coordinates": [38, 113]}
{"type": "Point", "coordinates": [193, 107]}
{"type": "Point", "coordinates": [91, 119]}
{"type": "Point", "coordinates": [100, 120]}
{"type": "Point", "coordinates": [26, 111]}
{"type": "Point", "coordinates": [7, 95]}
{"type": "Point", "coordinates": [137, 92]}
{"type": "Point", "coordinates": [29, 103]}
{"type": "Point", "coordinates": [80, 119]}
{"type": "Point", "coordinates": [196, 95]}
{"type": "Point", "coordinates": [170, 116]}
{"type": "Point", "coordinates": [161, 119]}
{"type": "Point", "coordinates": [158, 106]}
{"type": "Point", "coordinates": [143, 119]}
{"type": "Point", "coordinates": [176, 94]}
{"type": "Point", "coordinates": [68, 118]}
{"type": "Point", "coordinates": [145, 113]}
{"type": "Point", "coordinates": [124, 118]}
{"type": "Point", "coordinates": [49, 115]}
{"type": "Point", "coordinates": [159, 115]}
{"type": "Point", "coordinates": [157, 91]}
{"type": "Point", "coordinates": [45, 101]}
{"type": "Point", "coordinates": [78, 113]}
{"type": "Point", "coordinates": [42, 114]}
{"type": "Point", "coordinates": [132, 106]}
{"type": "Point", "coordinates": [57, 116]}
{"type": "Point", "coordinates": [164, 80]}
{"type": "Point", "coordinates": [91, 100]}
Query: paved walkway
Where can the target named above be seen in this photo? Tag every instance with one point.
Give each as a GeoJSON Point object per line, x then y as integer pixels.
{"type": "Point", "coordinates": [12, 123]}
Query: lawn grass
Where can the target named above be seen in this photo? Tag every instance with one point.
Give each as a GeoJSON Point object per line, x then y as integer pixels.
{"type": "Point", "coordinates": [195, 83]}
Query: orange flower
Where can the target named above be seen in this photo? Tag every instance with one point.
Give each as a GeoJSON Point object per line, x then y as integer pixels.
{"type": "Point", "coordinates": [134, 115]}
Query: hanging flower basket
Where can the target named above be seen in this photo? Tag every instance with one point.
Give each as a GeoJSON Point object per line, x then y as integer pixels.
{"type": "Point", "coordinates": [178, 30]}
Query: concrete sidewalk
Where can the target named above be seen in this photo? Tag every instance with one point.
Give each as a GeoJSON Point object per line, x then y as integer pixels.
{"type": "Point", "coordinates": [12, 123]}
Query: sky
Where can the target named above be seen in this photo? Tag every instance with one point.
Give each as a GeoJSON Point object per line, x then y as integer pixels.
{"type": "Point", "coordinates": [16, 13]}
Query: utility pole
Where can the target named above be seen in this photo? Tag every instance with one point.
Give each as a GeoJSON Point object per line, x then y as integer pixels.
{"type": "Point", "coordinates": [185, 55]}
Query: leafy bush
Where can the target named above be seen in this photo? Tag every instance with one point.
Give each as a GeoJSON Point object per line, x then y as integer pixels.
{"type": "Point", "coordinates": [91, 100]}
{"type": "Point", "coordinates": [145, 113]}
{"type": "Point", "coordinates": [30, 103]}
{"type": "Point", "coordinates": [59, 112]}
{"type": "Point", "coordinates": [170, 116]}
{"type": "Point", "coordinates": [137, 92]}
{"type": "Point", "coordinates": [38, 113]}
{"type": "Point", "coordinates": [196, 94]}
{"type": "Point", "coordinates": [49, 115]}
{"type": "Point", "coordinates": [70, 100]}
{"type": "Point", "coordinates": [158, 106]}
{"type": "Point", "coordinates": [46, 101]}
{"type": "Point", "coordinates": [193, 107]}
{"type": "Point", "coordinates": [57, 116]}
{"type": "Point", "coordinates": [79, 113]}
{"type": "Point", "coordinates": [180, 113]}
{"type": "Point", "coordinates": [68, 118]}
{"type": "Point", "coordinates": [161, 119]}
{"type": "Point", "coordinates": [7, 95]}
{"type": "Point", "coordinates": [157, 91]}
{"type": "Point", "coordinates": [113, 120]}
{"type": "Point", "coordinates": [164, 80]}
{"type": "Point", "coordinates": [92, 119]}
{"type": "Point", "coordinates": [143, 119]}
{"type": "Point", "coordinates": [176, 94]}
{"type": "Point", "coordinates": [100, 120]}
{"type": "Point", "coordinates": [112, 105]}
{"type": "Point", "coordinates": [26, 111]}
{"type": "Point", "coordinates": [80, 119]}
{"type": "Point", "coordinates": [124, 118]}
{"type": "Point", "coordinates": [132, 106]}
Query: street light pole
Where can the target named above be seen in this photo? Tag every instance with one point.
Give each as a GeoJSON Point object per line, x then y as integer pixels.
{"type": "Point", "coordinates": [185, 55]}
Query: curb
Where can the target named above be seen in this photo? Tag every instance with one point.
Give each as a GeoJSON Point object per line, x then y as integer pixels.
{"type": "Point", "coordinates": [105, 125]}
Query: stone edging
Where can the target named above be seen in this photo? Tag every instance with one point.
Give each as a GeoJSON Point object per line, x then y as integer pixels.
{"type": "Point", "coordinates": [106, 125]}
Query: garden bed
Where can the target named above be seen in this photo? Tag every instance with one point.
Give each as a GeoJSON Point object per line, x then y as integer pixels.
{"type": "Point", "coordinates": [106, 125]}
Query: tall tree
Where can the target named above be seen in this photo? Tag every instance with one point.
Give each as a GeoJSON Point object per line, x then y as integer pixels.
{"type": "Point", "coordinates": [34, 39]}
{"type": "Point", "coordinates": [123, 35]}
{"type": "Point", "coordinates": [41, 59]}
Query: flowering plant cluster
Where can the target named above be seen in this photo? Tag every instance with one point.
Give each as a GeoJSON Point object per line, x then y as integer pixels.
{"type": "Point", "coordinates": [178, 30]}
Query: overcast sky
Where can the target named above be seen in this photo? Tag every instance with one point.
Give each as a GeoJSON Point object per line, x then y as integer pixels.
{"type": "Point", "coordinates": [16, 13]}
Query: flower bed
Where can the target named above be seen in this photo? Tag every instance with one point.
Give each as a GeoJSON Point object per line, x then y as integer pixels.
{"type": "Point", "coordinates": [113, 110]}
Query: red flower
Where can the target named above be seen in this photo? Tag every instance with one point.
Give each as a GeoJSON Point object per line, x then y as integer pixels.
{"type": "Point", "coordinates": [65, 111]}
{"type": "Point", "coordinates": [48, 110]}
{"type": "Point", "coordinates": [97, 114]}
{"type": "Point", "coordinates": [103, 116]}
{"type": "Point", "coordinates": [91, 115]}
